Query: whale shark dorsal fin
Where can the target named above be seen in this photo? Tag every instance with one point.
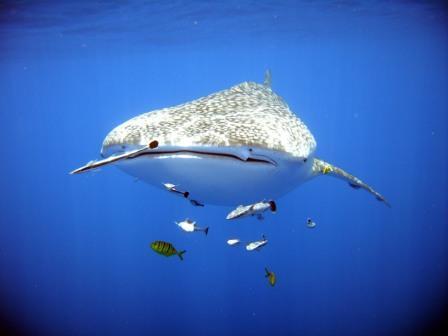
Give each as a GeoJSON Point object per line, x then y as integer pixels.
{"type": "Point", "coordinates": [267, 79]}
{"type": "Point", "coordinates": [321, 167]}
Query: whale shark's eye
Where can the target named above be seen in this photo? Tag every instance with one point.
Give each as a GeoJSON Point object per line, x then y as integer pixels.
{"type": "Point", "coordinates": [153, 144]}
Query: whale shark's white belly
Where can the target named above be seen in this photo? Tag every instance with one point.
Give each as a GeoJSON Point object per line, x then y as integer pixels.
{"type": "Point", "coordinates": [219, 179]}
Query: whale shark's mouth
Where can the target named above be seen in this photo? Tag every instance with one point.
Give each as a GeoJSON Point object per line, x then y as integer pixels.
{"type": "Point", "coordinates": [262, 160]}
{"type": "Point", "coordinates": [173, 153]}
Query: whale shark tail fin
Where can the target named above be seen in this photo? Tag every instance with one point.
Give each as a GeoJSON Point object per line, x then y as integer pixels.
{"type": "Point", "coordinates": [321, 167]}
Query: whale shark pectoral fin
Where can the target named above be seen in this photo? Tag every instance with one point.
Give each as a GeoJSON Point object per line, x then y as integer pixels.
{"type": "Point", "coordinates": [127, 155]}
{"type": "Point", "coordinates": [267, 79]}
{"type": "Point", "coordinates": [324, 168]}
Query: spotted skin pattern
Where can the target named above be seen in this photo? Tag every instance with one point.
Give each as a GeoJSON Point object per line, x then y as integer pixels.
{"type": "Point", "coordinates": [248, 114]}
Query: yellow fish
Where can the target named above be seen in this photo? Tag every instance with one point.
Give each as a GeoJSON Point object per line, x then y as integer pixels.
{"type": "Point", "coordinates": [327, 169]}
{"type": "Point", "coordinates": [271, 276]}
{"type": "Point", "coordinates": [166, 249]}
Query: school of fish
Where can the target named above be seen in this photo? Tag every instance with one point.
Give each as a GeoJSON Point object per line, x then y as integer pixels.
{"type": "Point", "coordinates": [190, 226]}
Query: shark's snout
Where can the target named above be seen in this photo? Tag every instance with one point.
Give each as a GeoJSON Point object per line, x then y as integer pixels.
{"type": "Point", "coordinates": [109, 150]}
{"type": "Point", "coordinates": [116, 148]}
{"type": "Point", "coordinates": [120, 140]}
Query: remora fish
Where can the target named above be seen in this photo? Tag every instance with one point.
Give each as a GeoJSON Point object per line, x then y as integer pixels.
{"type": "Point", "coordinates": [166, 249]}
{"type": "Point", "coordinates": [173, 188]}
{"type": "Point", "coordinates": [257, 245]}
{"type": "Point", "coordinates": [190, 226]}
{"type": "Point", "coordinates": [252, 210]}
{"type": "Point", "coordinates": [235, 146]}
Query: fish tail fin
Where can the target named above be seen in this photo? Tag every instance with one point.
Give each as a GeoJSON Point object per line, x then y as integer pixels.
{"type": "Point", "coordinates": [267, 272]}
{"type": "Point", "coordinates": [206, 230]}
{"type": "Point", "coordinates": [180, 254]}
{"type": "Point", "coordinates": [321, 167]}
{"type": "Point", "coordinates": [273, 206]}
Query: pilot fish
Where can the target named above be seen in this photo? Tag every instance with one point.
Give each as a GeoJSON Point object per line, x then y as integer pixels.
{"type": "Point", "coordinates": [166, 249]}
{"type": "Point", "coordinates": [271, 276]}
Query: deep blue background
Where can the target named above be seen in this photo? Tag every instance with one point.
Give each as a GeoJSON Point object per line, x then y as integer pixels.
{"type": "Point", "coordinates": [370, 80]}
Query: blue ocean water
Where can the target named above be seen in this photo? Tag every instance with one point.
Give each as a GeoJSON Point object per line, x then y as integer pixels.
{"type": "Point", "coordinates": [369, 78]}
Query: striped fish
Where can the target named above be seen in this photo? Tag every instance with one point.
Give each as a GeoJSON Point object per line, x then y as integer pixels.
{"type": "Point", "coordinates": [271, 276]}
{"type": "Point", "coordinates": [166, 249]}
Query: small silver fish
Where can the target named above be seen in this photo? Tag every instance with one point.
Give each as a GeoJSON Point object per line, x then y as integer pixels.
{"type": "Point", "coordinates": [190, 226]}
{"type": "Point", "coordinates": [257, 245]}
{"type": "Point", "coordinates": [255, 209]}
{"type": "Point", "coordinates": [310, 224]}
{"type": "Point", "coordinates": [233, 242]}
{"type": "Point", "coordinates": [173, 188]}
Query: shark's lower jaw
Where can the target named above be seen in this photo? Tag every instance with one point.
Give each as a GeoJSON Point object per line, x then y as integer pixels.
{"type": "Point", "coordinates": [220, 178]}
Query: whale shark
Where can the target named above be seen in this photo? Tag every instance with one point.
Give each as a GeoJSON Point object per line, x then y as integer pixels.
{"type": "Point", "coordinates": [236, 146]}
